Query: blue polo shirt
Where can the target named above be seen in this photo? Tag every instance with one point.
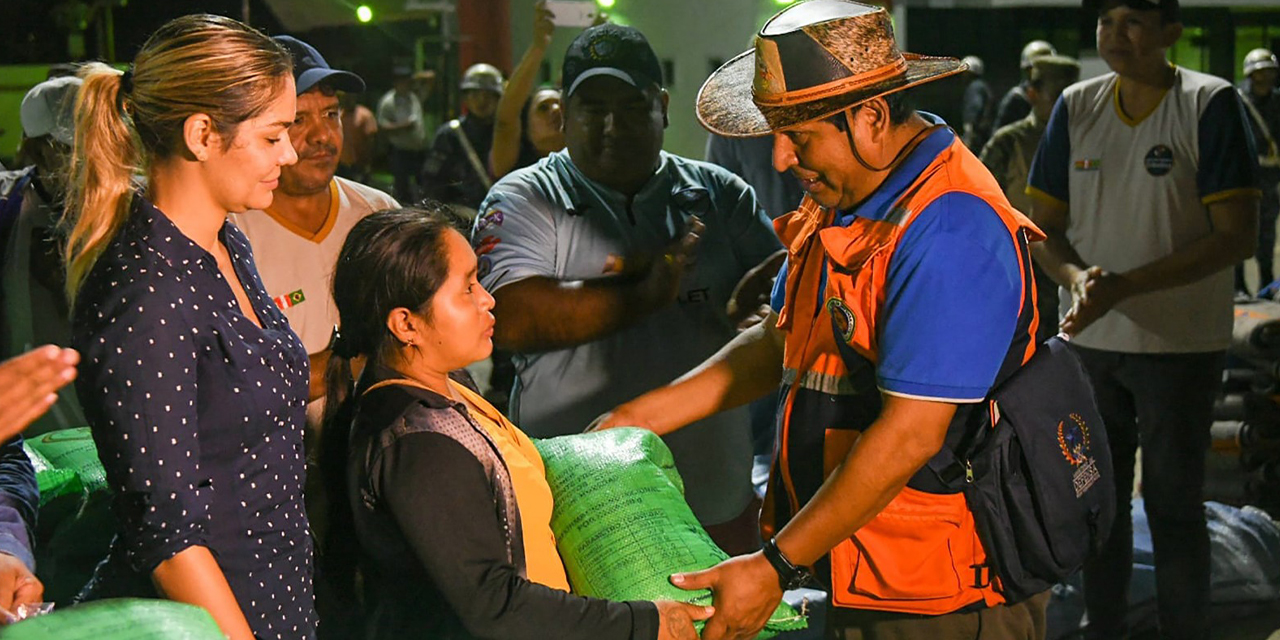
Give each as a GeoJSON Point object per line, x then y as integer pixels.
{"type": "Point", "coordinates": [953, 291]}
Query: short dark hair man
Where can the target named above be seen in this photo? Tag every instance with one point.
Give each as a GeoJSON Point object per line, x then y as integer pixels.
{"type": "Point", "coordinates": [905, 295]}
{"type": "Point", "coordinates": [1146, 185]}
{"type": "Point", "coordinates": [607, 283]}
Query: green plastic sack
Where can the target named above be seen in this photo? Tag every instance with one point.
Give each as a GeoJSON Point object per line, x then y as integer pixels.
{"type": "Point", "coordinates": [72, 449]}
{"type": "Point", "coordinates": [75, 526]}
{"type": "Point", "coordinates": [123, 619]}
{"type": "Point", "coordinates": [622, 525]}
{"type": "Point", "coordinates": [52, 482]}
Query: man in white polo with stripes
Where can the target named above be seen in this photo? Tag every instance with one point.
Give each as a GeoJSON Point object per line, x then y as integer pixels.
{"type": "Point", "coordinates": [1145, 185]}
{"type": "Point", "coordinates": [297, 239]}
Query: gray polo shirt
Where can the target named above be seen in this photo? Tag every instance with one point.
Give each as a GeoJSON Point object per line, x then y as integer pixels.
{"type": "Point", "coordinates": [549, 220]}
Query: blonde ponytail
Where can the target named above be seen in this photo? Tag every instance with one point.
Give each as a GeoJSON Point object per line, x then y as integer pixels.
{"type": "Point", "coordinates": [193, 64]}
{"type": "Point", "coordinates": [105, 158]}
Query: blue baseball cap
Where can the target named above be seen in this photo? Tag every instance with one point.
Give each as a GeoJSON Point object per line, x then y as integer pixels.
{"type": "Point", "coordinates": [310, 68]}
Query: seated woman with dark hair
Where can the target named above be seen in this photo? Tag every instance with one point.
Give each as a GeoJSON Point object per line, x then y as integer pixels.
{"type": "Point", "coordinates": [446, 500]}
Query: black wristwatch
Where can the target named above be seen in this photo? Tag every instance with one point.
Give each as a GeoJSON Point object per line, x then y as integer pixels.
{"type": "Point", "coordinates": [789, 575]}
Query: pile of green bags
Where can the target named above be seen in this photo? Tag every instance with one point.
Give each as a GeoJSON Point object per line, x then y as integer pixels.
{"type": "Point", "coordinates": [123, 619]}
{"type": "Point", "coordinates": [74, 526]}
{"type": "Point", "coordinates": [622, 525]}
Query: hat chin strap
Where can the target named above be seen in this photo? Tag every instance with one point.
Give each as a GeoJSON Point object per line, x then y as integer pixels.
{"type": "Point", "coordinates": [906, 148]}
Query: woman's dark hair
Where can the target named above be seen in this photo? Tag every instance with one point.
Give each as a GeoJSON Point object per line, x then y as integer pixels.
{"type": "Point", "coordinates": [391, 259]}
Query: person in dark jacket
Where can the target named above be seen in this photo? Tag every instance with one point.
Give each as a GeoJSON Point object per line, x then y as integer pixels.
{"type": "Point", "coordinates": [446, 500]}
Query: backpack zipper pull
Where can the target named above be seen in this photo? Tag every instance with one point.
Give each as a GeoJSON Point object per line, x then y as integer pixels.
{"type": "Point", "coordinates": [968, 472]}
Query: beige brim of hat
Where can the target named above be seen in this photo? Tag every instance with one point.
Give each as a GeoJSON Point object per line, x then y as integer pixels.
{"type": "Point", "coordinates": [725, 106]}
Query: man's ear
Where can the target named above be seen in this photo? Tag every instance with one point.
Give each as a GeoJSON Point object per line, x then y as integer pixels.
{"type": "Point", "coordinates": [666, 100]}
{"type": "Point", "coordinates": [875, 115]}
{"type": "Point", "coordinates": [1171, 32]}
{"type": "Point", "coordinates": [199, 136]}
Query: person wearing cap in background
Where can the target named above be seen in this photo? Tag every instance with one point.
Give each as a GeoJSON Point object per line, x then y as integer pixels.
{"type": "Point", "coordinates": [1009, 152]}
{"type": "Point", "coordinates": [401, 120]}
{"type": "Point", "coordinates": [296, 240]}
{"type": "Point", "coordinates": [905, 296]}
{"type": "Point", "coordinates": [1258, 93]}
{"type": "Point", "coordinates": [613, 262]}
{"type": "Point", "coordinates": [35, 309]}
{"type": "Point", "coordinates": [35, 312]}
{"type": "Point", "coordinates": [1016, 104]}
{"type": "Point", "coordinates": [456, 171]}
{"type": "Point", "coordinates": [1146, 185]}
{"type": "Point", "coordinates": [977, 105]}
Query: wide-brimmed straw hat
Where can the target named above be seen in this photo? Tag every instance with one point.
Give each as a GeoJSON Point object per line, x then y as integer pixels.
{"type": "Point", "coordinates": [811, 60]}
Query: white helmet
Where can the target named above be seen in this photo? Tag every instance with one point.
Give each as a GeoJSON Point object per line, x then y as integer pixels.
{"type": "Point", "coordinates": [1035, 49]}
{"type": "Point", "coordinates": [975, 65]}
{"type": "Point", "coordinates": [1259, 59]}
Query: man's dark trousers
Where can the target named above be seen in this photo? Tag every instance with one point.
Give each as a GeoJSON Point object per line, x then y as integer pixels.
{"type": "Point", "coordinates": [1163, 402]}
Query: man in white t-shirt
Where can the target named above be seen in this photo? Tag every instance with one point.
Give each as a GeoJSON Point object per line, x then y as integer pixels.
{"type": "Point", "coordinates": [1145, 184]}
{"type": "Point", "coordinates": [297, 239]}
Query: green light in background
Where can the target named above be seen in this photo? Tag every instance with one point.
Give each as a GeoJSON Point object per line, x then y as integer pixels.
{"type": "Point", "coordinates": [783, 1]}
{"type": "Point", "coordinates": [364, 13]}
{"type": "Point", "coordinates": [605, 4]}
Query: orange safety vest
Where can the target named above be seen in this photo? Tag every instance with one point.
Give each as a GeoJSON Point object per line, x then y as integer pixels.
{"type": "Point", "coordinates": [921, 554]}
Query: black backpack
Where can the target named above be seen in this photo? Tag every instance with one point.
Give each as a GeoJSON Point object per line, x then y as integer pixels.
{"type": "Point", "coordinates": [1035, 470]}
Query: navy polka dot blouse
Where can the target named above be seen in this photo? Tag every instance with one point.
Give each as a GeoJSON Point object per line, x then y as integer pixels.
{"type": "Point", "coordinates": [198, 415]}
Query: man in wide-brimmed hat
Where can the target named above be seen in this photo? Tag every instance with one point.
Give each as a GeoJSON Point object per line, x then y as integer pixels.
{"type": "Point", "coordinates": [906, 294]}
{"type": "Point", "coordinates": [1146, 185]}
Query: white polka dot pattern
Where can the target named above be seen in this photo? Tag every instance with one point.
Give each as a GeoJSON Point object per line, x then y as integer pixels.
{"type": "Point", "coordinates": [198, 415]}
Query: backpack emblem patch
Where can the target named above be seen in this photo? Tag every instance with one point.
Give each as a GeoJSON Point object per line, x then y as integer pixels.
{"type": "Point", "coordinates": [1073, 440]}
{"type": "Point", "coordinates": [842, 317]}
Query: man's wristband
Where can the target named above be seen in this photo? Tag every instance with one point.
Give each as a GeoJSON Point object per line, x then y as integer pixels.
{"type": "Point", "coordinates": [789, 575]}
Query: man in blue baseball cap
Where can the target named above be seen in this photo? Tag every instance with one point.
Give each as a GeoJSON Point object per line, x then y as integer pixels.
{"type": "Point", "coordinates": [296, 240]}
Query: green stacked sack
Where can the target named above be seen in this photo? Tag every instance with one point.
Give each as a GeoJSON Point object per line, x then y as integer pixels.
{"type": "Point", "coordinates": [74, 526]}
{"type": "Point", "coordinates": [52, 481]}
{"type": "Point", "coordinates": [69, 450]}
{"type": "Point", "coordinates": [123, 619]}
{"type": "Point", "coordinates": [621, 522]}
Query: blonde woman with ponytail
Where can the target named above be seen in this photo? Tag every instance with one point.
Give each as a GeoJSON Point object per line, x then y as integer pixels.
{"type": "Point", "coordinates": [192, 381]}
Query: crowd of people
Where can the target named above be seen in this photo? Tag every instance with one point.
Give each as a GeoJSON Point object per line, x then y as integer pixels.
{"type": "Point", "coordinates": [273, 355]}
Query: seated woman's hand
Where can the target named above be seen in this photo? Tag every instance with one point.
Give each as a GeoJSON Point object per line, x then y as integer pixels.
{"type": "Point", "coordinates": [675, 619]}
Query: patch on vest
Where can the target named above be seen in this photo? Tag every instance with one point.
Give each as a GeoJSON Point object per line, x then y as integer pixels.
{"type": "Point", "coordinates": [842, 317]}
{"type": "Point", "coordinates": [289, 300]}
{"type": "Point", "coordinates": [1159, 160]}
{"type": "Point", "coordinates": [1073, 439]}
